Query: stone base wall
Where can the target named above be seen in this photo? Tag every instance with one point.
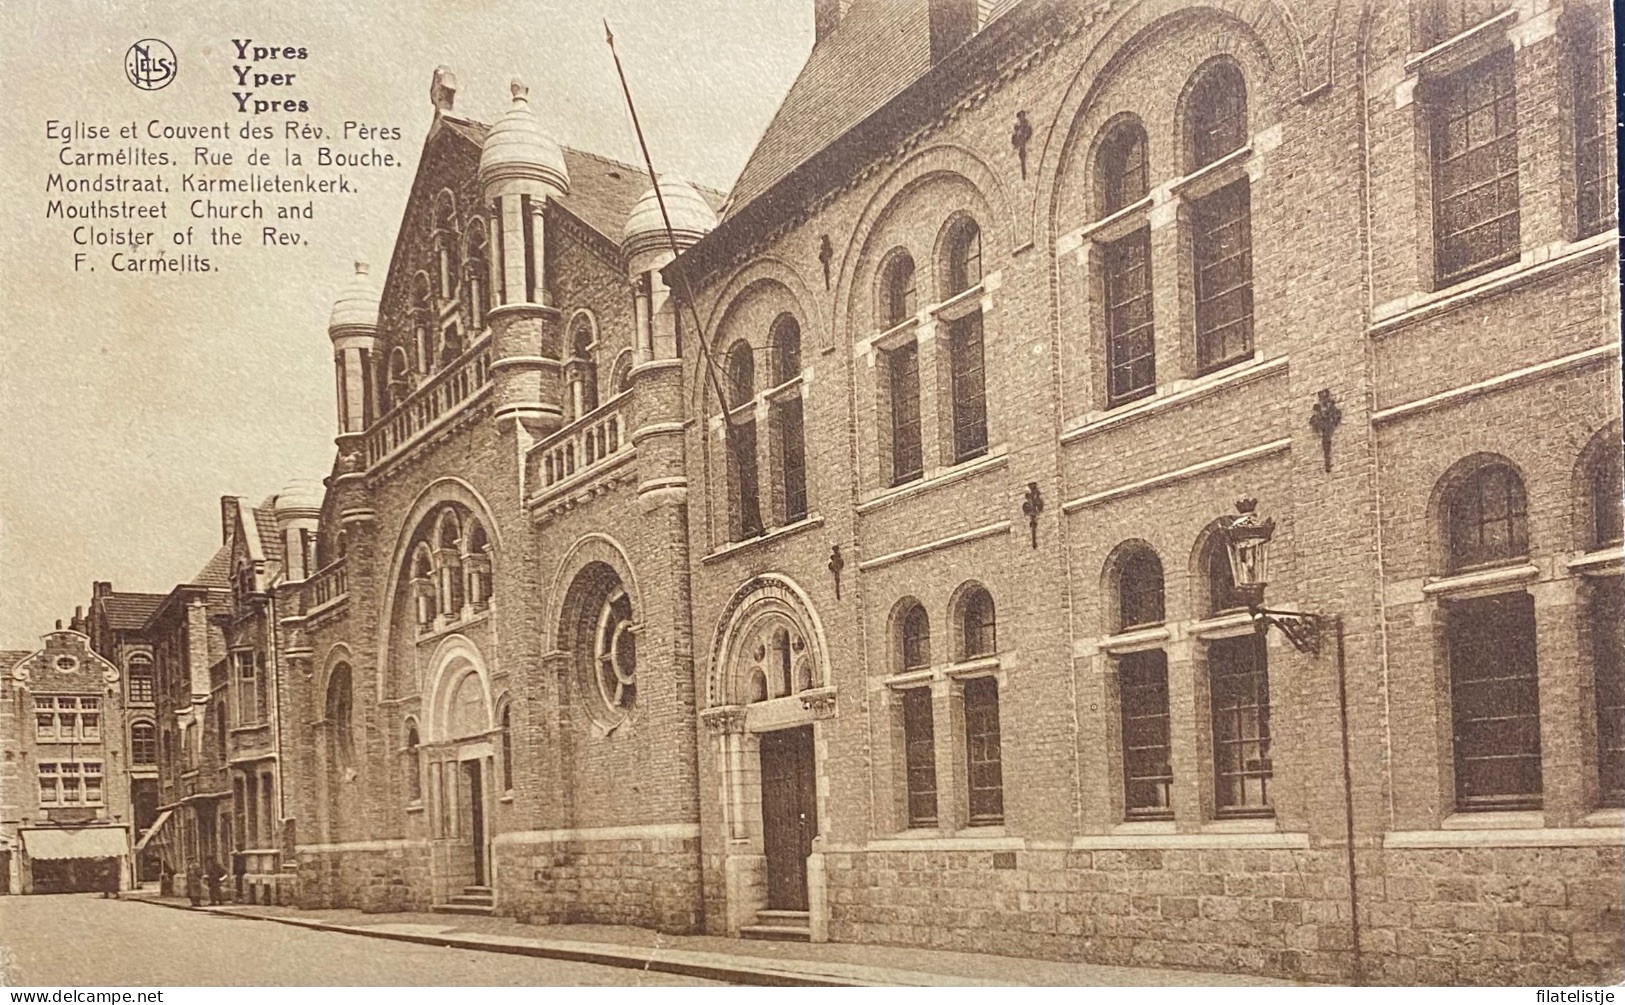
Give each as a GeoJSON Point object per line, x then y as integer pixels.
{"type": "Point", "coordinates": [1518, 916]}
{"type": "Point", "coordinates": [652, 882]}
{"type": "Point", "coordinates": [374, 880]}
{"type": "Point", "coordinates": [1475, 916]}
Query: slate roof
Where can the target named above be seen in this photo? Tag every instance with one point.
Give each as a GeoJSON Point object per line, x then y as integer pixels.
{"type": "Point", "coordinates": [130, 611]}
{"type": "Point", "coordinates": [216, 574]}
{"type": "Point", "coordinates": [880, 48]}
{"type": "Point", "coordinates": [265, 523]}
{"type": "Point", "coordinates": [602, 189]}
{"type": "Point", "coordinates": [11, 657]}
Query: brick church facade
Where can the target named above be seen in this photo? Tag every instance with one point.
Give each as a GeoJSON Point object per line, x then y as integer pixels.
{"type": "Point", "coordinates": [858, 571]}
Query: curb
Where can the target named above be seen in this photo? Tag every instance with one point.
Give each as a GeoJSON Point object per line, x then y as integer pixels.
{"type": "Point", "coordinates": [669, 961]}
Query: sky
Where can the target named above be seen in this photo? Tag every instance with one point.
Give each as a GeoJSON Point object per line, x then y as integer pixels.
{"type": "Point", "coordinates": [131, 404]}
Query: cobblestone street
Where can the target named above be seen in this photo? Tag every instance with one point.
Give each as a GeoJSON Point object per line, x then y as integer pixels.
{"type": "Point", "coordinates": [82, 940]}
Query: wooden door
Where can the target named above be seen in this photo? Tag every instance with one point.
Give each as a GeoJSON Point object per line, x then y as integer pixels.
{"type": "Point", "coordinates": [789, 815]}
{"type": "Point", "coordinates": [475, 802]}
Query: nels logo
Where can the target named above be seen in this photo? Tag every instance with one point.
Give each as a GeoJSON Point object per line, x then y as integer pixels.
{"type": "Point", "coordinates": [150, 64]}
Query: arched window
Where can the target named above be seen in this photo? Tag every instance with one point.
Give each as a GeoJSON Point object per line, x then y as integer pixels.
{"type": "Point", "coordinates": [599, 624]}
{"type": "Point", "coordinates": [914, 637]}
{"type": "Point", "coordinates": [741, 374]}
{"type": "Point", "coordinates": [1139, 589]}
{"type": "Point", "coordinates": [1217, 113]}
{"type": "Point", "coordinates": [476, 288]}
{"type": "Point", "coordinates": [478, 567]}
{"type": "Point", "coordinates": [1485, 518]}
{"type": "Point", "coordinates": [445, 243]}
{"type": "Point", "coordinates": [1220, 578]}
{"type": "Point", "coordinates": [1123, 173]}
{"type": "Point", "coordinates": [423, 588]}
{"type": "Point", "coordinates": [583, 371]}
{"type": "Point", "coordinates": [143, 743]}
{"type": "Point", "coordinates": [414, 766]}
{"type": "Point", "coordinates": [977, 635]}
{"type": "Point", "coordinates": [141, 679]}
{"type": "Point", "coordinates": [341, 738]}
{"type": "Point", "coordinates": [507, 747]}
{"type": "Point", "coordinates": [450, 560]}
{"type": "Point", "coordinates": [784, 339]}
{"type": "Point", "coordinates": [422, 314]}
{"type": "Point", "coordinates": [897, 299]}
{"type": "Point", "coordinates": [1604, 485]}
{"type": "Point", "coordinates": [963, 256]}
{"type": "Point", "coordinates": [621, 377]}
{"type": "Point", "coordinates": [789, 449]}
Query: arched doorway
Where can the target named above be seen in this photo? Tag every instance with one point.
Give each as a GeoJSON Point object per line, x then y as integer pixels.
{"type": "Point", "coordinates": [459, 754]}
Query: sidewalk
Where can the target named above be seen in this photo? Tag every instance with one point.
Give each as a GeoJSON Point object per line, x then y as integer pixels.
{"type": "Point", "coordinates": [737, 961]}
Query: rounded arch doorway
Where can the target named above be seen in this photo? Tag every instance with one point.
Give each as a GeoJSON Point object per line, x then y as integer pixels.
{"type": "Point", "coordinates": [459, 754]}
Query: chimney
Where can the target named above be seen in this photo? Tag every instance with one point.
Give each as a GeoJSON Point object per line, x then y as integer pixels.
{"type": "Point", "coordinates": [443, 90]}
{"type": "Point", "coordinates": [100, 589]}
{"type": "Point", "coordinates": [228, 517]}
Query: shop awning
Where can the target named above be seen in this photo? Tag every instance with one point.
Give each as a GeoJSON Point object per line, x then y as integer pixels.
{"type": "Point", "coordinates": [155, 831]}
{"type": "Point", "coordinates": [85, 842]}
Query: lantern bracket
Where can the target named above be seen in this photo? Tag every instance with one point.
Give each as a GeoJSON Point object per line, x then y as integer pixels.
{"type": "Point", "coordinates": [1301, 629]}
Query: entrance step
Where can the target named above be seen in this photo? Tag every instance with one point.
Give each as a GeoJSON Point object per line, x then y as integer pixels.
{"type": "Point", "coordinates": [779, 926]}
{"type": "Point", "coordinates": [473, 900]}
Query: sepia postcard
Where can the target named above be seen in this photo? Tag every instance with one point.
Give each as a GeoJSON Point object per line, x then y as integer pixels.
{"type": "Point", "coordinates": [834, 493]}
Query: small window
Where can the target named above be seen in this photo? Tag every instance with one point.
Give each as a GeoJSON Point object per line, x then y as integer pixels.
{"type": "Point", "coordinates": [141, 680]}
{"type": "Point", "coordinates": [414, 766]}
{"type": "Point", "coordinates": [920, 755]}
{"type": "Point", "coordinates": [1218, 113]}
{"type": "Point", "coordinates": [1595, 168]}
{"type": "Point", "coordinates": [1124, 176]}
{"type": "Point", "coordinates": [903, 375]}
{"type": "Point", "coordinates": [1139, 589]}
{"type": "Point", "coordinates": [741, 374]}
{"type": "Point", "coordinates": [1445, 19]}
{"type": "Point", "coordinates": [897, 299]}
{"type": "Point", "coordinates": [507, 748]}
{"type": "Point", "coordinates": [1475, 171]}
{"type": "Point", "coordinates": [1142, 697]}
{"type": "Point", "coordinates": [92, 771]}
{"type": "Point", "coordinates": [784, 338]}
{"type": "Point", "coordinates": [1130, 341]}
{"type": "Point", "coordinates": [1222, 252]}
{"type": "Point", "coordinates": [1239, 697]}
{"type": "Point", "coordinates": [976, 623]}
{"type": "Point", "coordinates": [1486, 518]}
{"type": "Point", "coordinates": [49, 784]}
{"type": "Point", "coordinates": [143, 743]}
{"type": "Point", "coordinates": [964, 256]}
{"type": "Point", "coordinates": [1495, 702]}
{"type": "Point", "coordinates": [914, 630]}
{"type": "Point", "coordinates": [985, 773]}
{"type": "Point", "coordinates": [968, 377]}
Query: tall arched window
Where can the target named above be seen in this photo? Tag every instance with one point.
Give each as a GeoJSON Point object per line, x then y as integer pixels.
{"type": "Point", "coordinates": [1607, 520]}
{"type": "Point", "coordinates": [449, 559]}
{"type": "Point", "coordinates": [914, 637]}
{"type": "Point", "coordinates": [1124, 175]}
{"type": "Point", "coordinates": [476, 270]}
{"type": "Point", "coordinates": [1485, 518]}
{"type": "Point", "coordinates": [507, 747]}
{"type": "Point", "coordinates": [897, 299]}
{"type": "Point", "coordinates": [1217, 113]}
{"type": "Point", "coordinates": [414, 766]}
{"type": "Point", "coordinates": [424, 591]}
{"type": "Point", "coordinates": [785, 418]}
{"type": "Point", "coordinates": [977, 627]}
{"type": "Point", "coordinates": [341, 737]}
{"type": "Point", "coordinates": [1139, 589]}
{"type": "Point", "coordinates": [141, 679]}
{"type": "Point", "coordinates": [741, 374]}
{"type": "Point", "coordinates": [422, 315]}
{"type": "Point", "coordinates": [963, 256]}
{"type": "Point", "coordinates": [478, 566]}
{"type": "Point", "coordinates": [445, 244]}
{"type": "Point", "coordinates": [143, 743]}
{"type": "Point", "coordinates": [1220, 222]}
{"type": "Point", "coordinates": [1125, 269]}
{"type": "Point", "coordinates": [745, 511]}
{"type": "Point", "coordinates": [582, 369]}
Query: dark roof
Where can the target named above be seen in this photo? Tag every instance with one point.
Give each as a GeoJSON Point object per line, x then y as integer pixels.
{"type": "Point", "coordinates": [270, 541]}
{"type": "Point", "coordinates": [602, 189]}
{"type": "Point", "coordinates": [880, 48]}
{"type": "Point", "coordinates": [217, 572]}
{"type": "Point", "coordinates": [129, 611]}
{"type": "Point", "coordinates": [11, 657]}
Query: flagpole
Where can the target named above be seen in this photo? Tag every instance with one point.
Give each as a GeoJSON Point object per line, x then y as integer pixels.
{"type": "Point", "coordinates": [671, 238]}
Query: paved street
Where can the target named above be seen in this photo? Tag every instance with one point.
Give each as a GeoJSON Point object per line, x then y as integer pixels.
{"type": "Point", "coordinates": [79, 939]}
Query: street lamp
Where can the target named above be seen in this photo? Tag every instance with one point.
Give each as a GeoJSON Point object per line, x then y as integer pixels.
{"type": "Point", "coordinates": [1247, 539]}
